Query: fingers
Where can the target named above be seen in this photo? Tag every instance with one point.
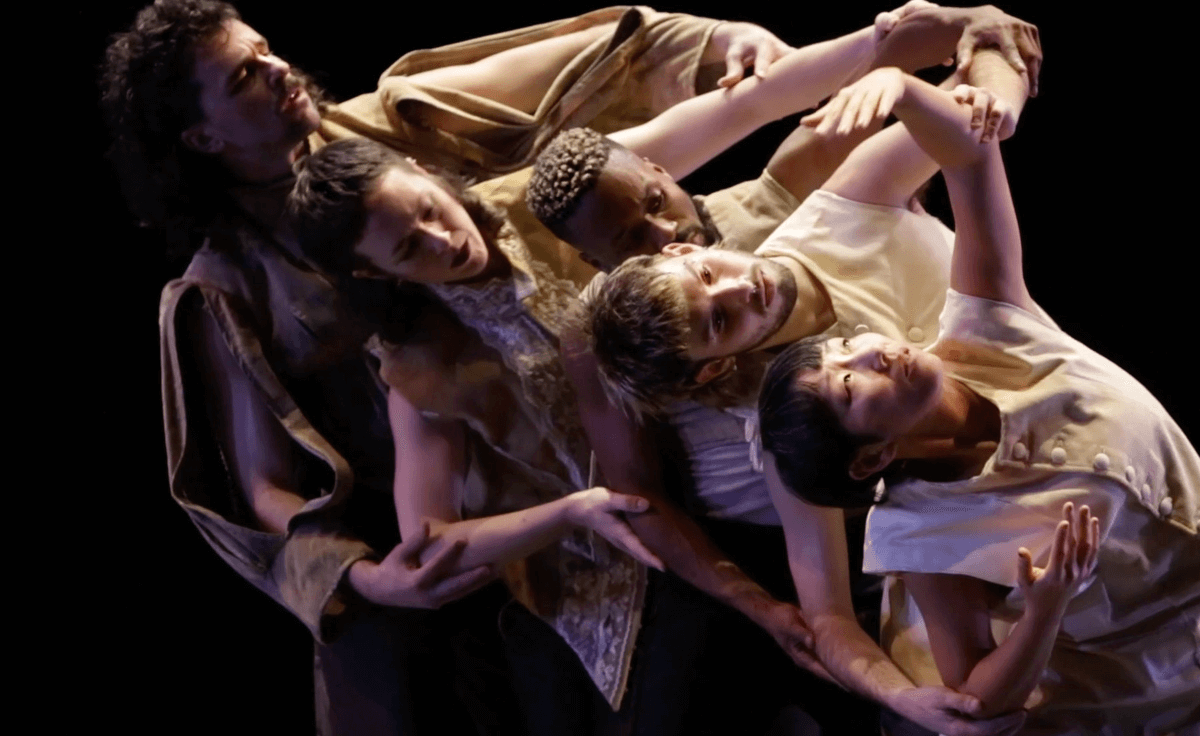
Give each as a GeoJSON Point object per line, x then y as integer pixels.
{"type": "Point", "coordinates": [1024, 568]}
{"type": "Point", "coordinates": [440, 565]}
{"type": "Point", "coordinates": [735, 65]}
{"type": "Point", "coordinates": [457, 586]}
{"type": "Point", "coordinates": [1030, 45]}
{"type": "Point", "coordinates": [621, 535]}
{"type": "Point", "coordinates": [1008, 49]}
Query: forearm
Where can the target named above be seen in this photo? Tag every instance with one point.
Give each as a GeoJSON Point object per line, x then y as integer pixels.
{"type": "Point", "coordinates": [684, 137]}
{"type": "Point", "coordinates": [1004, 678]}
{"type": "Point", "coordinates": [688, 552]}
{"type": "Point", "coordinates": [855, 660]}
{"type": "Point", "coordinates": [496, 540]}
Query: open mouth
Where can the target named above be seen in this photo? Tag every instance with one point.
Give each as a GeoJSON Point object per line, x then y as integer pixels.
{"type": "Point", "coordinates": [291, 101]}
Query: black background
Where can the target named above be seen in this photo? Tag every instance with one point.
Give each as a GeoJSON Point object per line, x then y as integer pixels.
{"type": "Point", "coordinates": [146, 628]}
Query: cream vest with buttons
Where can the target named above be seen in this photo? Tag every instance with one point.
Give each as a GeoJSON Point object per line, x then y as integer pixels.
{"type": "Point", "coordinates": [1074, 427]}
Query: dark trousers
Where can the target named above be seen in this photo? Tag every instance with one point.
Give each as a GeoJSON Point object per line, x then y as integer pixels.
{"type": "Point", "coordinates": [397, 671]}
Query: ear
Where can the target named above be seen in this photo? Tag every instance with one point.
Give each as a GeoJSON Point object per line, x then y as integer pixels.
{"type": "Point", "coordinates": [870, 459]}
{"type": "Point", "coordinates": [715, 368]}
{"type": "Point", "coordinates": [658, 168]}
{"type": "Point", "coordinates": [680, 249]}
{"type": "Point", "coordinates": [198, 139]}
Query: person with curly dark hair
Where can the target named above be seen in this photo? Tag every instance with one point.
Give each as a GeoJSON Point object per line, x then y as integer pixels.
{"type": "Point", "coordinates": [274, 439]}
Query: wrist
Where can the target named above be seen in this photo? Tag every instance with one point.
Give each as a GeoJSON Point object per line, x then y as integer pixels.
{"type": "Point", "coordinates": [361, 577]}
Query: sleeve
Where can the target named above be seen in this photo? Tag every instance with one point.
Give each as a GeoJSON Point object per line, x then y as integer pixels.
{"type": "Point", "coordinates": [302, 570]}
{"type": "Point", "coordinates": [649, 63]}
{"type": "Point", "coordinates": [976, 528]}
{"type": "Point", "coordinates": [746, 214]}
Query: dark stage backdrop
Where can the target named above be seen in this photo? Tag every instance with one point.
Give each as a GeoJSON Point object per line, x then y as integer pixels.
{"type": "Point", "coordinates": [163, 638]}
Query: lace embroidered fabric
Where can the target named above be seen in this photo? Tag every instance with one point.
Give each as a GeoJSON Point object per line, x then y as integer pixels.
{"type": "Point", "coordinates": [601, 589]}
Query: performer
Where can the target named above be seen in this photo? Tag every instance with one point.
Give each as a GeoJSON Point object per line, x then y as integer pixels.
{"type": "Point", "coordinates": [413, 227]}
{"type": "Point", "coordinates": [982, 440]}
{"type": "Point", "coordinates": [277, 438]}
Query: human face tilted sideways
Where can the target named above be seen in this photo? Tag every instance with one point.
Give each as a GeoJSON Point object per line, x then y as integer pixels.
{"type": "Point", "coordinates": [418, 231]}
{"type": "Point", "coordinates": [253, 105]}
{"type": "Point", "coordinates": [634, 209]}
{"type": "Point", "coordinates": [735, 301]}
{"type": "Point", "coordinates": [877, 387]}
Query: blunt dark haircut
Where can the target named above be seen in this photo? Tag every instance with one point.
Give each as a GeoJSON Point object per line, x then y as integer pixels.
{"type": "Point", "coordinates": [327, 207]}
{"type": "Point", "coordinates": [563, 173]}
{"type": "Point", "coordinates": [149, 98]}
{"type": "Point", "coordinates": [812, 450]}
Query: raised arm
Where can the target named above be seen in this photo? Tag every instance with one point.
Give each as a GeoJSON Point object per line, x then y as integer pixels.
{"type": "Point", "coordinates": [889, 167]}
{"type": "Point", "coordinates": [955, 609]}
{"type": "Point", "coordinates": [626, 455]}
{"type": "Point", "coordinates": [519, 76]}
{"type": "Point", "coordinates": [429, 471]}
{"type": "Point", "coordinates": [816, 544]}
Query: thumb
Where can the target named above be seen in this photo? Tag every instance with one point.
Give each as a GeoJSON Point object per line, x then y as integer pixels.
{"type": "Point", "coordinates": [961, 702]}
{"type": "Point", "coordinates": [627, 502]}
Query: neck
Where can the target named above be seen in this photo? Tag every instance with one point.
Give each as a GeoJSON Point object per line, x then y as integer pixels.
{"type": "Point", "coordinates": [962, 420]}
{"type": "Point", "coordinates": [813, 311]}
{"type": "Point", "coordinates": [262, 166]}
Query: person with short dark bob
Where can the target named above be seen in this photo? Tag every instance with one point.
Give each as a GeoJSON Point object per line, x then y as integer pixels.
{"type": "Point", "coordinates": [811, 448]}
{"type": "Point", "coordinates": [1005, 436]}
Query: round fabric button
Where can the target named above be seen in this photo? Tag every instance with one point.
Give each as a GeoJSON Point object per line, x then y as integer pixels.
{"type": "Point", "coordinates": [1020, 451]}
{"type": "Point", "coordinates": [1130, 474]}
{"type": "Point", "coordinates": [860, 329]}
{"type": "Point", "coordinates": [1100, 462]}
{"type": "Point", "coordinates": [1165, 506]}
{"type": "Point", "coordinates": [916, 334]}
{"type": "Point", "coordinates": [1058, 456]}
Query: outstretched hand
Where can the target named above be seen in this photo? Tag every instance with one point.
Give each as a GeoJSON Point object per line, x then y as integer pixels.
{"type": "Point", "coordinates": [1072, 560]}
{"type": "Point", "coordinates": [603, 511]}
{"type": "Point", "coordinates": [746, 45]}
{"type": "Point", "coordinates": [400, 580]}
{"type": "Point", "coordinates": [868, 101]}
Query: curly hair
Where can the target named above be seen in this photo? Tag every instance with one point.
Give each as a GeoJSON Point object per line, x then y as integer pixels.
{"type": "Point", "coordinates": [149, 97]}
{"type": "Point", "coordinates": [564, 172]}
{"type": "Point", "coordinates": [327, 206]}
{"type": "Point", "coordinates": [812, 450]}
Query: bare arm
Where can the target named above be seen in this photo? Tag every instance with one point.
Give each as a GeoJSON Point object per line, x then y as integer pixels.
{"type": "Point", "coordinates": [626, 456]}
{"type": "Point", "coordinates": [686, 136]}
{"type": "Point", "coordinates": [261, 455]}
{"type": "Point", "coordinates": [816, 544]}
{"type": "Point", "coordinates": [889, 166]}
{"type": "Point", "coordinates": [987, 247]}
{"type": "Point", "coordinates": [1003, 676]}
{"type": "Point", "coordinates": [429, 469]}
